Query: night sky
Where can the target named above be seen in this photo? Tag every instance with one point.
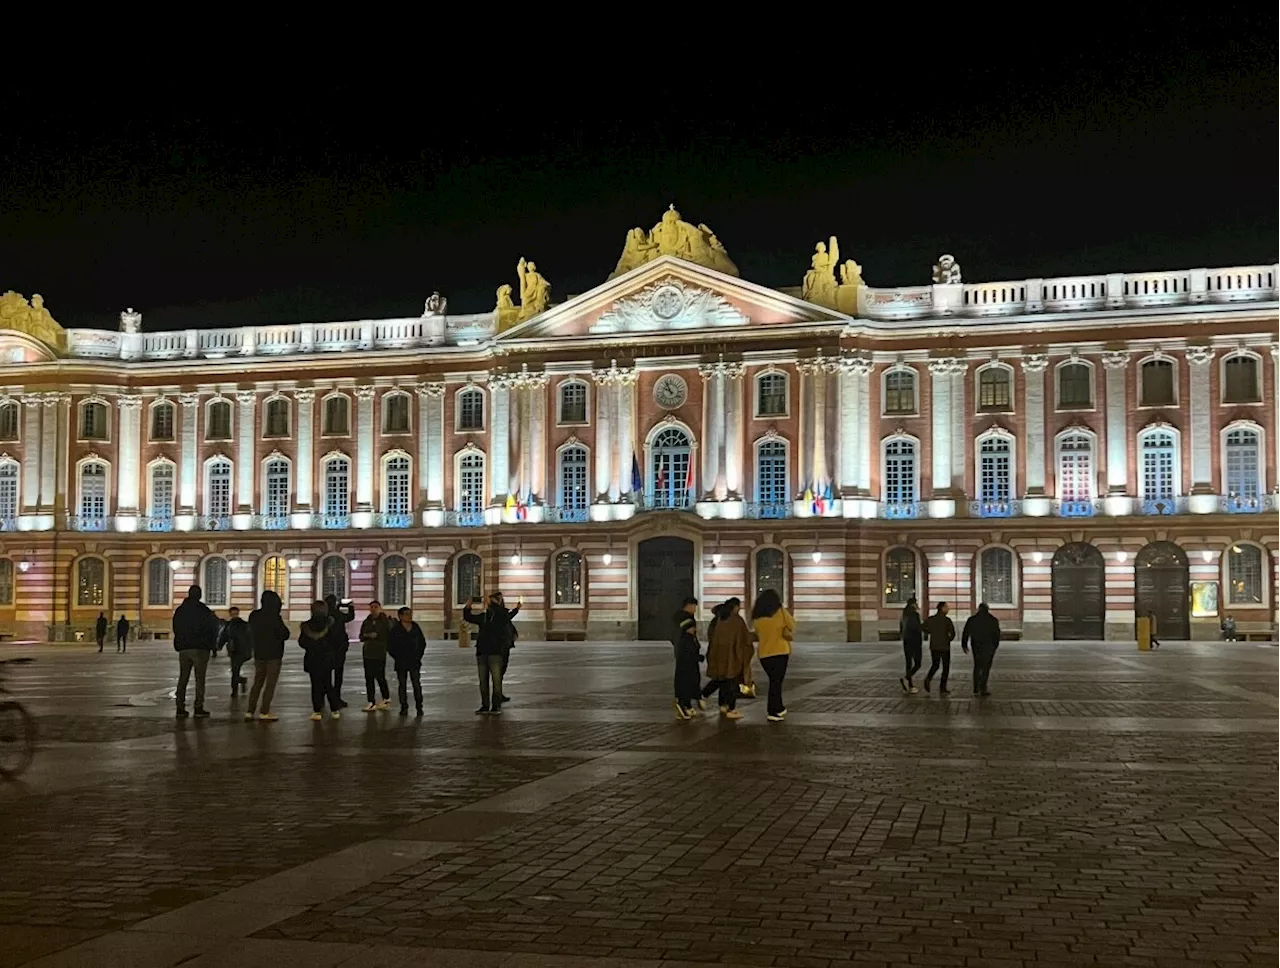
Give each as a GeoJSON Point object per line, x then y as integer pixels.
{"type": "Point", "coordinates": [1118, 142]}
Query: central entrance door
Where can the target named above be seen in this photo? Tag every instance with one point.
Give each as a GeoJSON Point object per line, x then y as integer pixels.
{"type": "Point", "coordinates": [1161, 586]}
{"type": "Point", "coordinates": [664, 578]}
{"type": "Point", "coordinates": [1079, 575]}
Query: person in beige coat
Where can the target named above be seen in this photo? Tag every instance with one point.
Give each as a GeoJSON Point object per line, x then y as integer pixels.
{"type": "Point", "coordinates": [729, 653]}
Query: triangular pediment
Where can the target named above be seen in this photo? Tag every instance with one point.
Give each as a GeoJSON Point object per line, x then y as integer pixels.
{"type": "Point", "coordinates": [670, 295]}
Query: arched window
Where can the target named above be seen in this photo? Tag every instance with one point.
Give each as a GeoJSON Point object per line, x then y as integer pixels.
{"type": "Point", "coordinates": [995, 388]}
{"type": "Point", "coordinates": [671, 476]}
{"type": "Point", "coordinates": [573, 498]}
{"type": "Point", "coordinates": [900, 390]}
{"type": "Point", "coordinates": [1075, 474]}
{"type": "Point", "coordinates": [337, 415]}
{"type": "Point", "coordinates": [275, 577]}
{"type": "Point", "coordinates": [218, 491]}
{"type": "Point", "coordinates": [8, 493]}
{"type": "Point", "coordinates": [900, 488]}
{"type": "Point", "coordinates": [159, 582]}
{"type": "Point", "coordinates": [466, 578]}
{"type": "Point", "coordinates": [276, 505]}
{"type": "Point", "coordinates": [996, 565]}
{"type": "Point", "coordinates": [471, 483]}
{"type": "Point", "coordinates": [1240, 382]}
{"type": "Point", "coordinates": [162, 421]}
{"type": "Point", "coordinates": [276, 422]}
{"type": "Point", "coordinates": [91, 581]}
{"type": "Point", "coordinates": [216, 582]}
{"type": "Point", "coordinates": [395, 581]}
{"type": "Point", "coordinates": [1157, 383]}
{"type": "Point", "coordinates": [397, 503]}
{"type": "Point", "coordinates": [1159, 462]}
{"type": "Point", "coordinates": [568, 578]}
{"type": "Point", "coordinates": [1075, 386]}
{"type": "Point", "coordinates": [471, 409]}
{"type": "Point", "coordinates": [93, 420]}
{"type": "Point", "coordinates": [1242, 469]}
{"type": "Point", "coordinates": [771, 478]}
{"type": "Point", "coordinates": [899, 576]}
{"type": "Point", "coordinates": [93, 491]}
{"type": "Point", "coordinates": [771, 571]}
{"type": "Point", "coordinates": [217, 423]}
{"type": "Point", "coordinates": [337, 491]}
{"type": "Point", "coordinates": [1244, 575]}
{"type": "Point", "coordinates": [8, 421]}
{"type": "Point", "coordinates": [6, 582]}
{"type": "Point", "coordinates": [161, 510]}
{"type": "Point", "coordinates": [771, 394]}
{"type": "Point", "coordinates": [573, 402]}
{"type": "Point", "coordinates": [395, 413]}
{"type": "Point", "coordinates": [995, 475]}
{"type": "Point", "coordinates": [333, 577]}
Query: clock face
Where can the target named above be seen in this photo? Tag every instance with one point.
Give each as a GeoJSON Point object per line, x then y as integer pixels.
{"type": "Point", "coordinates": [670, 392]}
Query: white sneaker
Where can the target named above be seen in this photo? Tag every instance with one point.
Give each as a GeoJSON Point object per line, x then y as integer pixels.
{"type": "Point", "coordinates": [732, 714]}
{"type": "Point", "coordinates": [335, 714]}
{"type": "Point", "coordinates": [383, 706]}
{"type": "Point", "coordinates": [370, 708]}
{"type": "Point", "coordinates": [681, 712]}
{"type": "Point", "coordinates": [315, 717]}
{"type": "Point", "coordinates": [267, 717]}
{"type": "Point", "coordinates": [724, 710]}
{"type": "Point", "coordinates": [248, 717]}
{"type": "Point", "coordinates": [774, 719]}
{"type": "Point", "coordinates": [702, 703]}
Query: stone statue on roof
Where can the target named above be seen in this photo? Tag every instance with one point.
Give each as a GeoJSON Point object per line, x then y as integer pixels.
{"type": "Point", "coordinates": [675, 237]}
{"type": "Point", "coordinates": [31, 318]}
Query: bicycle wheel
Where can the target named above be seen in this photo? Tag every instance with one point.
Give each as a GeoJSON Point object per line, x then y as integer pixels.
{"type": "Point", "coordinates": [17, 739]}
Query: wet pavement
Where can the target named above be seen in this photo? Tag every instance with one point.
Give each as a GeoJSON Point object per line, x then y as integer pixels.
{"type": "Point", "coordinates": [1104, 807]}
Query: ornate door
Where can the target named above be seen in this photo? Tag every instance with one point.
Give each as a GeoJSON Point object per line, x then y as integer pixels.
{"type": "Point", "coordinates": [1162, 586]}
{"type": "Point", "coordinates": [1079, 602]}
{"type": "Point", "coordinates": [664, 578]}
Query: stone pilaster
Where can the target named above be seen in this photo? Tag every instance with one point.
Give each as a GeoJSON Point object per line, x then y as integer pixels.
{"type": "Point", "coordinates": [364, 448]}
{"type": "Point", "coordinates": [626, 431]}
{"type": "Point", "coordinates": [49, 453]}
{"type": "Point", "coordinates": [712, 417]}
{"type": "Point", "coordinates": [499, 439]}
{"type": "Point", "coordinates": [129, 455]}
{"type": "Point", "coordinates": [431, 445]}
{"type": "Point", "coordinates": [305, 458]}
{"type": "Point", "coordinates": [190, 455]}
{"type": "Point", "coordinates": [1033, 367]}
{"type": "Point", "coordinates": [940, 445]}
{"type": "Point", "coordinates": [247, 427]}
{"type": "Point", "coordinates": [606, 401]}
{"type": "Point", "coordinates": [1116, 364]}
{"type": "Point", "coordinates": [733, 443]}
{"type": "Point", "coordinates": [1199, 359]}
{"type": "Point", "coordinates": [32, 404]}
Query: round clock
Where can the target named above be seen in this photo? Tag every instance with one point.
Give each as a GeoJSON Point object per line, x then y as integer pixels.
{"type": "Point", "coordinates": [670, 392]}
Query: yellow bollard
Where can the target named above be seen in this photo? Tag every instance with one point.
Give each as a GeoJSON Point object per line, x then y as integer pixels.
{"type": "Point", "coordinates": [1144, 633]}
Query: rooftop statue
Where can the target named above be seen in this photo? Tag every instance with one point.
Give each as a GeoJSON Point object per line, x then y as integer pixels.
{"type": "Point", "coordinates": [946, 270]}
{"type": "Point", "coordinates": [820, 281]}
{"type": "Point", "coordinates": [507, 313]}
{"type": "Point", "coordinates": [851, 274]}
{"type": "Point", "coordinates": [672, 236]}
{"type": "Point", "coordinates": [535, 291]}
{"type": "Point", "coordinates": [436, 305]}
{"type": "Point", "coordinates": [31, 318]}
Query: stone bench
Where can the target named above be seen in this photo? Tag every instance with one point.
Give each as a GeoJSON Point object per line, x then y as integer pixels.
{"type": "Point", "coordinates": [1255, 632]}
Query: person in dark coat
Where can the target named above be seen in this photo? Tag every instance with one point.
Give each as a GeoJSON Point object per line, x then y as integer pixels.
{"type": "Point", "coordinates": [235, 636]}
{"type": "Point", "coordinates": [373, 653]}
{"type": "Point", "coordinates": [729, 653]}
{"type": "Point", "coordinates": [268, 633]}
{"type": "Point", "coordinates": [687, 678]}
{"type": "Point", "coordinates": [316, 638]}
{"type": "Point", "coordinates": [100, 629]}
{"type": "Point", "coordinates": [494, 636]}
{"type": "Point", "coordinates": [941, 632]}
{"type": "Point", "coordinates": [911, 631]}
{"type": "Point", "coordinates": [406, 646]}
{"type": "Point", "coordinates": [195, 636]}
{"type": "Point", "coordinates": [342, 614]}
{"type": "Point", "coordinates": [122, 634]}
{"type": "Point", "coordinates": [982, 631]}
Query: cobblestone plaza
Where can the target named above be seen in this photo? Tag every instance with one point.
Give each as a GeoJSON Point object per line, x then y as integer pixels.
{"type": "Point", "coordinates": [1103, 807]}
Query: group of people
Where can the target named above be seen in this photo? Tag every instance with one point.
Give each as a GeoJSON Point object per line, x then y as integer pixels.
{"type": "Point", "coordinates": [323, 637]}
{"type": "Point", "coordinates": [981, 633]}
{"type": "Point", "coordinates": [103, 625]}
{"type": "Point", "coordinates": [731, 646]}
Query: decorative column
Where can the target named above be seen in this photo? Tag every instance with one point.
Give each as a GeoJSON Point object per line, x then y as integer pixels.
{"type": "Point", "coordinates": [431, 448]}
{"type": "Point", "coordinates": [305, 458]}
{"type": "Point", "coordinates": [247, 427]}
{"type": "Point", "coordinates": [1203, 499]}
{"type": "Point", "coordinates": [61, 403]}
{"type": "Point", "coordinates": [733, 442]}
{"type": "Point", "coordinates": [363, 516]}
{"type": "Point", "coordinates": [1275, 429]}
{"type": "Point", "coordinates": [804, 436]}
{"type": "Point", "coordinates": [190, 455]}
{"type": "Point", "coordinates": [943, 504]}
{"type": "Point", "coordinates": [961, 421]}
{"type": "Point", "coordinates": [851, 428]}
{"type": "Point", "coordinates": [604, 441]}
{"type": "Point", "coordinates": [626, 434]}
{"type": "Point", "coordinates": [537, 440]}
{"type": "Point", "coordinates": [818, 469]}
{"type": "Point", "coordinates": [712, 414]}
{"type": "Point", "coordinates": [32, 404]}
{"type": "Point", "coordinates": [49, 454]}
{"type": "Point", "coordinates": [500, 439]}
{"type": "Point", "coordinates": [857, 373]}
{"type": "Point", "coordinates": [128, 460]}
{"type": "Point", "coordinates": [1035, 503]}
{"type": "Point", "coordinates": [1116, 363]}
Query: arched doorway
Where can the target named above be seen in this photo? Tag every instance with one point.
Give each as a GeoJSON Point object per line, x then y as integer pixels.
{"type": "Point", "coordinates": [1079, 602]}
{"type": "Point", "coordinates": [1161, 585]}
{"type": "Point", "coordinates": [664, 578]}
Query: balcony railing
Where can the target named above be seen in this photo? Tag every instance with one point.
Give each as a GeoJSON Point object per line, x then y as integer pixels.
{"type": "Point", "coordinates": [1164, 505]}
{"type": "Point", "coordinates": [215, 522]}
{"type": "Point", "coordinates": [157, 523]}
{"type": "Point", "coordinates": [912, 509]}
{"type": "Point", "coordinates": [335, 521]}
{"type": "Point", "coordinates": [769, 510]}
{"type": "Point", "coordinates": [565, 515]}
{"type": "Point", "coordinates": [1075, 509]}
{"type": "Point", "coordinates": [270, 522]}
{"type": "Point", "coordinates": [8, 524]}
{"type": "Point", "coordinates": [1236, 504]}
{"type": "Point", "coordinates": [464, 519]}
{"type": "Point", "coordinates": [994, 509]}
{"type": "Point", "coordinates": [87, 522]}
{"type": "Point", "coordinates": [394, 521]}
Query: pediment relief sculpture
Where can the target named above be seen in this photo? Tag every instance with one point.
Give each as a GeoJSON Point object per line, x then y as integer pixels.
{"type": "Point", "coordinates": [669, 304]}
{"type": "Point", "coordinates": [675, 237]}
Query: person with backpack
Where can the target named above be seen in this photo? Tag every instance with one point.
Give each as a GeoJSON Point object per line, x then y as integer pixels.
{"type": "Point", "coordinates": [911, 631]}
{"type": "Point", "coordinates": [684, 639]}
{"type": "Point", "coordinates": [268, 633]}
{"type": "Point", "coordinates": [316, 638]}
{"type": "Point", "coordinates": [406, 645]}
{"type": "Point", "coordinates": [983, 632]}
{"type": "Point", "coordinates": [941, 633]}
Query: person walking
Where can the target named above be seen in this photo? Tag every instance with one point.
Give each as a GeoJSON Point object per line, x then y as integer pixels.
{"type": "Point", "coordinates": [342, 613]}
{"type": "Point", "coordinates": [775, 630]}
{"type": "Point", "coordinates": [195, 636]}
{"type": "Point", "coordinates": [316, 638]}
{"type": "Point", "coordinates": [910, 630]}
{"type": "Point", "coordinates": [236, 637]}
{"type": "Point", "coordinates": [982, 631]}
{"type": "Point", "coordinates": [100, 629]}
{"type": "Point", "coordinates": [713, 685]}
{"type": "Point", "coordinates": [688, 654]}
{"type": "Point", "coordinates": [268, 633]}
{"type": "Point", "coordinates": [406, 646]}
{"type": "Point", "coordinates": [373, 653]}
{"type": "Point", "coordinates": [941, 632]}
{"type": "Point", "coordinates": [493, 635]}
{"type": "Point", "coordinates": [729, 655]}
{"type": "Point", "coordinates": [1151, 615]}
{"type": "Point", "coordinates": [122, 634]}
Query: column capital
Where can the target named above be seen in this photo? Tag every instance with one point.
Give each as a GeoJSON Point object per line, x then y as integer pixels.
{"type": "Point", "coordinates": [1275, 350]}
{"type": "Point", "coordinates": [52, 400]}
{"type": "Point", "coordinates": [1199, 355]}
{"type": "Point", "coordinates": [857, 365]}
{"type": "Point", "coordinates": [708, 370]}
{"type": "Point", "coordinates": [733, 371]}
{"type": "Point", "coordinates": [365, 394]}
{"type": "Point", "coordinates": [501, 381]}
{"type": "Point", "coordinates": [429, 390]}
{"type": "Point", "coordinates": [305, 395]}
{"type": "Point", "coordinates": [189, 401]}
{"type": "Point", "coordinates": [36, 400]}
{"type": "Point", "coordinates": [129, 402]}
{"type": "Point", "coordinates": [946, 366]}
{"type": "Point", "coordinates": [626, 377]}
{"type": "Point", "coordinates": [1035, 362]}
{"type": "Point", "coordinates": [247, 398]}
{"type": "Point", "coordinates": [1115, 359]}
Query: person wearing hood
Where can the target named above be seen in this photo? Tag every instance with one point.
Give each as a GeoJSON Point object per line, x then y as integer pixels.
{"type": "Point", "coordinates": [493, 641]}
{"type": "Point", "coordinates": [406, 646]}
{"type": "Point", "coordinates": [195, 636]}
{"type": "Point", "coordinates": [729, 654]}
{"type": "Point", "coordinates": [317, 639]}
{"type": "Point", "coordinates": [342, 613]}
{"type": "Point", "coordinates": [911, 631]}
{"type": "Point", "coordinates": [268, 634]}
{"type": "Point", "coordinates": [982, 631]}
{"type": "Point", "coordinates": [235, 636]}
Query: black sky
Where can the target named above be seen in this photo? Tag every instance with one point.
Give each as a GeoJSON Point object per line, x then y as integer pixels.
{"type": "Point", "coordinates": [1119, 142]}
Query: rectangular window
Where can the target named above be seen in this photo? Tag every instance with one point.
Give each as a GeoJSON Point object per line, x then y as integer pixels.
{"type": "Point", "coordinates": [396, 416]}
{"type": "Point", "coordinates": [218, 426]}
{"type": "Point", "coordinates": [771, 395]}
{"type": "Point", "coordinates": [158, 573]}
{"type": "Point", "coordinates": [771, 472]}
{"type": "Point", "coordinates": [398, 486]}
{"type": "Point", "coordinates": [1242, 465]}
{"type": "Point", "coordinates": [900, 391]}
{"type": "Point", "coordinates": [277, 423]}
{"type": "Point", "coordinates": [1157, 467]}
{"type": "Point", "coordinates": [220, 490]}
{"type": "Point", "coordinates": [336, 410]}
{"type": "Point", "coordinates": [6, 581]}
{"type": "Point", "coordinates": [337, 487]}
{"type": "Point", "coordinates": [997, 577]}
{"type": "Point", "coordinates": [471, 486]}
{"type": "Point", "coordinates": [8, 492]}
{"type": "Point", "coordinates": [1157, 383]}
{"type": "Point", "coordinates": [995, 487]}
{"type": "Point", "coordinates": [573, 479]}
{"type": "Point", "coordinates": [93, 491]}
{"type": "Point", "coordinates": [900, 473]}
{"type": "Point", "coordinates": [93, 421]}
{"type": "Point", "coordinates": [994, 389]}
{"type": "Point", "coordinates": [90, 581]}
{"type": "Point", "coordinates": [471, 410]}
{"type": "Point", "coordinates": [1241, 378]}
{"type": "Point", "coordinates": [277, 489]}
{"type": "Point", "coordinates": [162, 491]}
{"type": "Point", "coordinates": [573, 403]}
{"type": "Point", "coordinates": [162, 422]}
{"type": "Point", "coordinates": [9, 422]}
{"type": "Point", "coordinates": [1075, 386]}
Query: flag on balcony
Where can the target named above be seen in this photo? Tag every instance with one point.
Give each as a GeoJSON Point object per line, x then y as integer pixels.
{"type": "Point", "coordinates": [637, 482]}
{"type": "Point", "coordinates": [688, 483]}
{"type": "Point", "coordinates": [807, 497]}
{"type": "Point", "coordinates": [511, 502]}
{"type": "Point", "coordinates": [819, 504]}
{"type": "Point", "coordinates": [522, 508]}
{"type": "Point", "coordinates": [660, 478]}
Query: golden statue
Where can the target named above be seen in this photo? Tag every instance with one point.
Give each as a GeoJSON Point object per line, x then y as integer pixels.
{"type": "Point", "coordinates": [820, 281]}
{"type": "Point", "coordinates": [507, 313]}
{"type": "Point", "coordinates": [31, 318]}
{"type": "Point", "coordinates": [850, 283]}
{"type": "Point", "coordinates": [674, 237]}
{"type": "Point", "coordinates": [851, 273]}
{"type": "Point", "coordinates": [535, 291]}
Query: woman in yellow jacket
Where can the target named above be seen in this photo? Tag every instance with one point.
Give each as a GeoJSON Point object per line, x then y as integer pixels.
{"type": "Point", "coordinates": [775, 630]}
